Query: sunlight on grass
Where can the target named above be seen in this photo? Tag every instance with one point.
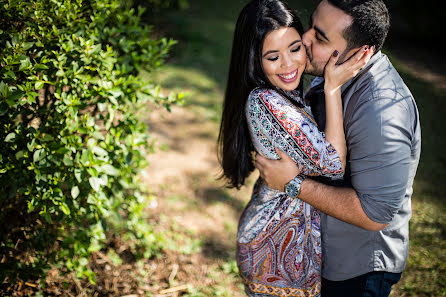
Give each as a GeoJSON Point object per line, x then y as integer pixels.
{"type": "Point", "coordinates": [181, 239]}
{"type": "Point", "coordinates": [224, 279]}
{"type": "Point", "coordinates": [201, 92]}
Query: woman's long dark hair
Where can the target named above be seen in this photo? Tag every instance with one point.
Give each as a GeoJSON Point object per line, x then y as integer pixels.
{"type": "Point", "coordinates": [256, 20]}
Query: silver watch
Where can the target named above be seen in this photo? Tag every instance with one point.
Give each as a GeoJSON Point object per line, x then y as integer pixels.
{"type": "Point", "coordinates": [292, 188]}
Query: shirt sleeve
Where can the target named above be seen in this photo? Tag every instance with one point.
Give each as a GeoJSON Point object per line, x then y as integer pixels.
{"type": "Point", "coordinates": [275, 122]}
{"type": "Point", "coordinates": [379, 145]}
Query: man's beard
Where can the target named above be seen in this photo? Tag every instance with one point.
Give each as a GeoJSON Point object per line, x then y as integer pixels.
{"type": "Point", "coordinates": [316, 69]}
{"type": "Point", "coordinates": [319, 67]}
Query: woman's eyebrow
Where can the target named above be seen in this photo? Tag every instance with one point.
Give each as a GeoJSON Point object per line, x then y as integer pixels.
{"type": "Point", "coordinates": [270, 52]}
{"type": "Point", "coordinates": [294, 42]}
{"type": "Point", "coordinates": [276, 51]}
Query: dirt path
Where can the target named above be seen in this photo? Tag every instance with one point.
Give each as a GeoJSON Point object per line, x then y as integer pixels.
{"type": "Point", "coordinates": [183, 176]}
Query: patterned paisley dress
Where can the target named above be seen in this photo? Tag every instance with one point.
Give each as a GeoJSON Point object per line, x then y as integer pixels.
{"type": "Point", "coordinates": [279, 238]}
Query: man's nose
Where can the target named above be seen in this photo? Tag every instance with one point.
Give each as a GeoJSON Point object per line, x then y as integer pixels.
{"type": "Point", "coordinates": [306, 38]}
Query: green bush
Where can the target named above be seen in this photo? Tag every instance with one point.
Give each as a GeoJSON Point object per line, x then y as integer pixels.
{"type": "Point", "coordinates": [72, 141]}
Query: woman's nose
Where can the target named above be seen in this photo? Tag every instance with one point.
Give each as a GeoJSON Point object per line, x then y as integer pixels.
{"type": "Point", "coordinates": [286, 61]}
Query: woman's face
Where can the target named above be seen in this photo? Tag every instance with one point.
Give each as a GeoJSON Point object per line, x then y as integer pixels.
{"type": "Point", "coordinates": [283, 58]}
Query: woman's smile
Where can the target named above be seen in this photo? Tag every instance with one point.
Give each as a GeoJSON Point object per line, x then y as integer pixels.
{"type": "Point", "coordinates": [289, 77]}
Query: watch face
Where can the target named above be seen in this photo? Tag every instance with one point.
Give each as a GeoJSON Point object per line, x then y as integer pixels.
{"type": "Point", "coordinates": [291, 189]}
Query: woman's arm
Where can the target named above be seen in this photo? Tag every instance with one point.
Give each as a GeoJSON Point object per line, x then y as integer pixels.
{"type": "Point", "coordinates": [334, 78]}
{"type": "Point", "coordinates": [275, 122]}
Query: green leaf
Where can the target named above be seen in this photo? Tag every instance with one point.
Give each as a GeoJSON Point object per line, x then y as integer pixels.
{"type": "Point", "coordinates": [3, 89]}
{"type": "Point", "coordinates": [78, 175]}
{"type": "Point", "coordinates": [100, 151]}
{"type": "Point", "coordinates": [10, 137]}
{"type": "Point", "coordinates": [19, 155]}
{"type": "Point", "coordinates": [67, 160]}
{"type": "Point", "coordinates": [47, 218]}
{"type": "Point", "coordinates": [85, 158]}
{"type": "Point", "coordinates": [109, 170]}
{"type": "Point", "coordinates": [65, 209]}
{"type": "Point", "coordinates": [27, 45]}
{"type": "Point", "coordinates": [24, 64]}
{"type": "Point", "coordinates": [14, 97]}
{"type": "Point", "coordinates": [9, 74]}
{"type": "Point", "coordinates": [47, 137]}
{"type": "Point", "coordinates": [41, 67]}
{"type": "Point", "coordinates": [31, 145]}
{"type": "Point", "coordinates": [74, 192]}
{"type": "Point", "coordinates": [39, 155]}
{"type": "Point", "coordinates": [95, 183]}
{"type": "Point", "coordinates": [39, 85]}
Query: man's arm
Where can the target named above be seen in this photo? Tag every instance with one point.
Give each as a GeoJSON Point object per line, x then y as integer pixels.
{"type": "Point", "coordinates": [341, 203]}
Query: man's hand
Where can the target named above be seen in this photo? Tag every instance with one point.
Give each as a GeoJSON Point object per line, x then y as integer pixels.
{"type": "Point", "coordinates": [277, 173]}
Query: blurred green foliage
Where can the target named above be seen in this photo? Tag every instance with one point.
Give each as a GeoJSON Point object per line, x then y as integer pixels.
{"type": "Point", "coordinates": [71, 140]}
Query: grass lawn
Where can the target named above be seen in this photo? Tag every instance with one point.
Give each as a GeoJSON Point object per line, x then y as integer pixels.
{"type": "Point", "coordinates": [198, 67]}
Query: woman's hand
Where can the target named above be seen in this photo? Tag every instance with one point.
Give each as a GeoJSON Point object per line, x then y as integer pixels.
{"type": "Point", "coordinates": [336, 75]}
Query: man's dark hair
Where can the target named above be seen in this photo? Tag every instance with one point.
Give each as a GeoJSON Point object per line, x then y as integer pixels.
{"type": "Point", "coordinates": [371, 22]}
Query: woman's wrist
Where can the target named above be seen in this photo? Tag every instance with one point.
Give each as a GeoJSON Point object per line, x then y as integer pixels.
{"type": "Point", "coordinates": [332, 91]}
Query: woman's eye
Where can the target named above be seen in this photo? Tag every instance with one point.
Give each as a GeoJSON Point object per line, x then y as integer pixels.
{"type": "Point", "coordinates": [272, 58]}
{"type": "Point", "coordinates": [294, 50]}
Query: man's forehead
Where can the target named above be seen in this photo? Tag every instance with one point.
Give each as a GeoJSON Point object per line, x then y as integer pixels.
{"type": "Point", "coordinates": [330, 20]}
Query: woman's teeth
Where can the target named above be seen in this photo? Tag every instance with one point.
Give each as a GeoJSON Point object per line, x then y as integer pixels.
{"type": "Point", "coordinates": [288, 76]}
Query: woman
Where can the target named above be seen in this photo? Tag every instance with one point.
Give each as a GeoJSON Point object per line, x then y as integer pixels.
{"type": "Point", "coordinates": [278, 244]}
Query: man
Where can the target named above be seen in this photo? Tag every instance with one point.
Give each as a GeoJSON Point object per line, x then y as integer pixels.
{"type": "Point", "coordinates": [365, 219]}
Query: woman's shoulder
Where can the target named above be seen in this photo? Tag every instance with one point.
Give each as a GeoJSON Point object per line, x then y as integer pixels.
{"type": "Point", "coordinates": [265, 94]}
{"type": "Point", "coordinates": [260, 91]}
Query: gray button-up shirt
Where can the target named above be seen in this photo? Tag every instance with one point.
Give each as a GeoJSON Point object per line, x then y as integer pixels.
{"type": "Point", "coordinates": [382, 129]}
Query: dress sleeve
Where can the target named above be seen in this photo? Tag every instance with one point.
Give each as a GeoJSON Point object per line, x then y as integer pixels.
{"type": "Point", "coordinates": [275, 122]}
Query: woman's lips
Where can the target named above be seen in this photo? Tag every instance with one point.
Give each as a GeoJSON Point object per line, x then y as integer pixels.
{"type": "Point", "coordinates": [288, 77]}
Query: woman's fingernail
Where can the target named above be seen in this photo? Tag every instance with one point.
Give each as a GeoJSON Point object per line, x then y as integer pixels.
{"type": "Point", "coordinates": [336, 53]}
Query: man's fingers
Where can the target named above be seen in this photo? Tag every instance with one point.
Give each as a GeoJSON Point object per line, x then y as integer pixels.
{"type": "Point", "coordinates": [260, 159]}
{"type": "Point", "coordinates": [258, 165]}
{"type": "Point", "coordinates": [283, 155]}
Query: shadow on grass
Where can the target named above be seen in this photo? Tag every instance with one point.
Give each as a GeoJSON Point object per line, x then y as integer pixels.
{"type": "Point", "coordinates": [432, 106]}
{"type": "Point", "coordinates": [219, 195]}
{"type": "Point", "coordinates": [217, 248]}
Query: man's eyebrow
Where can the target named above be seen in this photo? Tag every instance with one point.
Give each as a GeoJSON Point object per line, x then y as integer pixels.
{"type": "Point", "coordinates": [322, 33]}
